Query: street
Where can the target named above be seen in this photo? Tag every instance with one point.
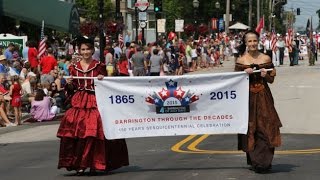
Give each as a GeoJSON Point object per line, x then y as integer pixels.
{"type": "Point", "coordinates": [31, 151]}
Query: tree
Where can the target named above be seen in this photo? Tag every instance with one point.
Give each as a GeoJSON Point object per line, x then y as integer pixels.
{"type": "Point", "coordinates": [90, 11]}
{"type": "Point", "coordinates": [318, 12]}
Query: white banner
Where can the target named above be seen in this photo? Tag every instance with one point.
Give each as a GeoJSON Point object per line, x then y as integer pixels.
{"type": "Point", "coordinates": [179, 23]}
{"type": "Point", "coordinates": [161, 25]}
{"type": "Point", "coordinates": [173, 105]}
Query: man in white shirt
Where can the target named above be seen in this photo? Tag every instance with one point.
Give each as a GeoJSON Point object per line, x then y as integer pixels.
{"type": "Point", "coordinates": [267, 46]}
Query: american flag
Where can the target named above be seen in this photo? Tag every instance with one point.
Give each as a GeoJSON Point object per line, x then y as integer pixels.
{"type": "Point", "coordinates": [273, 40]}
{"type": "Point", "coordinates": [42, 44]}
{"type": "Point", "coordinates": [289, 39]}
{"type": "Point", "coordinates": [120, 40]}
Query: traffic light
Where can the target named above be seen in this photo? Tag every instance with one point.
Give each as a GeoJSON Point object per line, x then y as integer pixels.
{"type": "Point", "coordinates": [158, 6]}
{"type": "Point", "coordinates": [298, 11]}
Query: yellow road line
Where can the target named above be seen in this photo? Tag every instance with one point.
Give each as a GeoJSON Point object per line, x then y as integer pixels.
{"type": "Point", "coordinates": [193, 148]}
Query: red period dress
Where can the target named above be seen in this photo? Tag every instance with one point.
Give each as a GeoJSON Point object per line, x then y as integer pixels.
{"type": "Point", "coordinates": [83, 144]}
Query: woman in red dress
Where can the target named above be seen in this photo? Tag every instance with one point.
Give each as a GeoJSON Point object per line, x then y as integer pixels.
{"type": "Point", "coordinates": [83, 144]}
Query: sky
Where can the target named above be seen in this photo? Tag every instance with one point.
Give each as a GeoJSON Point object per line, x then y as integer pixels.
{"type": "Point", "coordinates": [308, 8]}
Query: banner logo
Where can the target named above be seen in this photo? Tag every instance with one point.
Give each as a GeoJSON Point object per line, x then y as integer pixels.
{"type": "Point", "coordinates": [172, 99]}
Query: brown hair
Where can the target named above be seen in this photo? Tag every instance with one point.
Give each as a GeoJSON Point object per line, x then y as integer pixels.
{"type": "Point", "coordinates": [39, 95]}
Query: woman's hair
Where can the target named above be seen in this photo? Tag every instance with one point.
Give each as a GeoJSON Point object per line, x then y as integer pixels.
{"type": "Point", "coordinates": [39, 95]}
{"type": "Point", "coordinates": [91, 46]}
{"type": "Point", "coordinates": [123, 57]}
{"type": "Point", "coordinates": [242, 47]}
{"type": "Point", "coordinates": [15, 78]}
{"type": "Point", "coordinates": [53, 90]}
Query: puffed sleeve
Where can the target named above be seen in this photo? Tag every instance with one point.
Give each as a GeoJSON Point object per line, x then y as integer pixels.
{"type": "Point", "coordinates": [102, 69]}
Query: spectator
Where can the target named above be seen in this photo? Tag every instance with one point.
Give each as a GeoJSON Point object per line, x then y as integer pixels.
{"type": "Point", "coordinates": [155, 63]}
{"type": "Point", "coordinates": [57, 96]}
{"type": "Point", "coordinates": [46, 65]}
{"type": "Point", "coordinates": [3, 68]}
{"type": "Point", "coordinates": [123, 65]}
{"type": "Point", "coordinates": [41, 109]}
{"type": "Point", "coordinates": [15, 93]}
{"type": "Point", "coordinates": [25, 52]}
{"type": "Point", "coordinates": [9, 52]}
{"type": "Point", "coordinates": [3, 93]}
{"type": "Point", "coordinates": [33, 55]}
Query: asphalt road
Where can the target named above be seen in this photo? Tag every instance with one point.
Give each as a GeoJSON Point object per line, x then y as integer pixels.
{"type": "Point", "coordinates": [31, 151]}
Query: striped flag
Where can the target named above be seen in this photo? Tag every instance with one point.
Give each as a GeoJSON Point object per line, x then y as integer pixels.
{"type": "Point", "coordinates": [273, 40]}
{"type": "Point", "coordinates": [42, 44]}
{"type": "Point", "coordinates": [289, 39]}
{"type": "Point", "coordinates": [120, 40]}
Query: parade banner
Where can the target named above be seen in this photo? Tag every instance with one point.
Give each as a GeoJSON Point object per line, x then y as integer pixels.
{"type": "Point", "coordinates": [173, 105]}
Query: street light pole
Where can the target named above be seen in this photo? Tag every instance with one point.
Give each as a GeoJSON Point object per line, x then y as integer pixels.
{"type": "Point", "coordinates": [217, 5]}
{"type": "Point", "coordinates": [101, 23]}
{"type": "Point", "coordinates": [195, 4]}
{"type": "Point", "coordinates": [227, 16]}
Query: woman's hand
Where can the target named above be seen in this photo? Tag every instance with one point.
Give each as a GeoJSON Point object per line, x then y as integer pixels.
{"type": "Point", "coordinates": [100, 77]}
{"type": "Point", "coordinates": [249, 70]}
{"type": "Point", "coordinates": [263, 72]}
{"type": "Point", "coordinates": [69, 80]}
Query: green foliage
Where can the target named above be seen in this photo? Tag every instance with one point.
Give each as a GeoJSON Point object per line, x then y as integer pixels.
{"type": "Point", "coordinates": [318, 12]}
{"type": "Point", "coordinates": [173, 10]}
{"type": "Point", "coordinates": [89, 9]}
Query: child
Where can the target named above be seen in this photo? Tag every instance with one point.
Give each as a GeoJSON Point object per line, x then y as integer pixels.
{"type": "Point", "coordinates": [15, 93]}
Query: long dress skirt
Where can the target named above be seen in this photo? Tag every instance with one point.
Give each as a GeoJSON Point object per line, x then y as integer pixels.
{"type": "Point", "coordinates": [83, 144]}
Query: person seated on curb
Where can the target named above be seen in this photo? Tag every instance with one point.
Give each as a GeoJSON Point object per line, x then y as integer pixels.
{"type": "Point", "coordinates": [4, 118]}
{"type": "Point", "coordinates": [28, 90]}
{"type": "Point", "coordinates": [41, 109]}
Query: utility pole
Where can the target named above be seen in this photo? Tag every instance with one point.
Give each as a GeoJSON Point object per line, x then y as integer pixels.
{"type": "Point", "coordinates": [136, 17]}
{"type": "Point", "coordinates": [227, 16]}
{"type": "Point", "coordinates": [258, 11]}
{"type": "Point", "coordinates": [101, 25]}
{"type": "Point", "coordinates": [250, 14]}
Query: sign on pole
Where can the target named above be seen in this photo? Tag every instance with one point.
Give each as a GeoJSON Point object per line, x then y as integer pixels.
{"type": "Point", "coordinates": [142, 16]}
{"type": "Point", "coordinates": [161, 25]}
{"type": "Point", "coordinates": [230, 17]}
{"type": "Point", "coordinates": [221, 24]}
{"type": "Point", "coordinates": [142, 5]}
{"type": "Point", "coordinates": [179, 25]}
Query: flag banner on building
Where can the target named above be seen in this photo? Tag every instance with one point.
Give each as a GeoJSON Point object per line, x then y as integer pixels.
{"type": "Point", "coordinates": [42, 44]}
{"type": "Point", "coordinates": [221, 24]}
{"type": "Point", "coordinates": [214, 24]}
{"type": "Point", "coordinates": [173, 105]}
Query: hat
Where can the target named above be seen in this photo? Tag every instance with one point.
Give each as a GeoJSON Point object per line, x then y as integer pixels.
{"type": "Point", "coordinates": [84, 39]}
{"type": "Point", "coordinates": [2, 57]}
{"type": "Point", "coordinates": [31, 74]}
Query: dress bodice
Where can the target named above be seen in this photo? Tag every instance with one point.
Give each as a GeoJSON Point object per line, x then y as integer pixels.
{"type": "Point", "coordinates": [257, 83]}
{"type": "Point", "coordinates": [95, 68]}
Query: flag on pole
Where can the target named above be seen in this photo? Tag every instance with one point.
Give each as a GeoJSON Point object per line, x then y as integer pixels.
{"type": "Point", "coordinates": [42, 44]}
{"type": "Point", "coordinates": [289, 39]}
{"type": "Point", "coordinates": [308, 28]}
{"type": "Point", "coordinates": [312, 45]}
{"type": "Point", "coordinates": [120, 40]}
{"type": "Point", "coordinates": [260, 25]}
{"type": "Point", "coordinates": [273, 40]}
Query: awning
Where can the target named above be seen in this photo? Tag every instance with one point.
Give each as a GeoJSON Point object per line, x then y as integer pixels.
{"type": "Point", "coordinates": [239, 26]}
{"type": "Point", "coordinates": [58, 15]}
